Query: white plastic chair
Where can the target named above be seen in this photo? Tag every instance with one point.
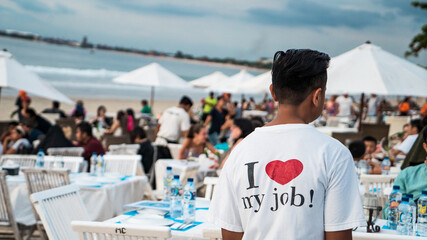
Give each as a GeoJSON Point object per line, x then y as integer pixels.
{"type": "Point", "coordinates": [70, 162]}
{"type": "Point", "coordinates": [210, 183]}
{"type": "Point", "coordinates": [66, 151]}
{"type": "Point", "coordinates": [377, 184]}
{"type": "Point", "coordinates": [21, 160]}
{"type": "Point", "coordinates": [212, 233]}
{"type": "Point", "coordinates": [126, 165]}
{"type": "Point", "coordinates": [57, 208]}
{"type": "Point", "coordinates": [102, 230]}
{"type": "Point", "coordinates": [174, 149]}
{"type": "Point", "coordinates": [123, 149]}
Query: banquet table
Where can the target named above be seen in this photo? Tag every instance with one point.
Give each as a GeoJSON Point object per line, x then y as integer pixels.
{"type": "Point", "coordinates": [385, 233]}
{"type": "Point", "coordinates": [103, 197]}
{"type": "Point", "coordinates": [178, 166]}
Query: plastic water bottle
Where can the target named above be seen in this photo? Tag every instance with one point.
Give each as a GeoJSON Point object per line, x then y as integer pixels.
{"type": "Point", "coordinates": [413, 206]}
{"type": "Point", "coordinates": [167, 181]}
{"type": "Point", "coordinates": [386, 166]}
{"type": "Point", "coordinates": [93, 163]}
{"type": "Point", "coordinates": [176, 198]}
{"type": "Point", "coordinates": [40, 159]}
{"type": "Point", "coordinates": [422, 215]}
{"type": "Point", "coordinates": [100, 168]}
{"type": "Point", "coordinates": [393, 203]}
{"type": "Point", "coordinates": [405, 217]}
{"type": "Point", "coordinates": [189, 201]}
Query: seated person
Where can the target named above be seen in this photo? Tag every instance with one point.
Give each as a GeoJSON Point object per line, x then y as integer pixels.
{"type": "Point", "coordinates": [16, 143]}
{"type": "Point", "coordinates": [371, 147]}
{"type": "Point", "coordinates": [41, 124]}
{"type": "Point", "coordinates": [145, 108]}
{"type": "Point", "coordinates": [32, 133]}
{"type": "Point", "coordinates": [87, 141]}
{"type": "Point", "coordinates": [55, 109]}
{"type": "Point", "coordinates": [195, 143]}
{"type": "Point", "coordinates": [53, 139]}
{"type": "Point", "coordinates": [146, 150]}
{"type": "Point", "coordinates": [414, 179]}
{"type": "Point", "coordinates": [405, 146]}
{"type": "Point", "coordinates": [116, 124]}
{"type": "Point", "coordinates": [357, 150]}
{"type": "Point", "coordinates": [101, 121]}
{"type": "Point", "coordinates": [239, 130]}
{"type": "Point", "coordinates": [10, 126]}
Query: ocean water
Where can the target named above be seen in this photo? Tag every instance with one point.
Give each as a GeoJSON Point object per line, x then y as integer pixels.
{"type": "Point", "coordinates": [83, 73]}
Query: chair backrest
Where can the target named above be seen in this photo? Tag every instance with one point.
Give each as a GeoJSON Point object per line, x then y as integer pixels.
{"type": "Point", "coordinates": [123, 149]}
{"type": "Point", "coordinates": [7, 219]}
{"type": "Point", "coordinates": [21, 160]}
{"type": "Point", "coordinates": [174, 149]}
{"type": "Point", "coordinates": [66, 151]}
{"type": "Point", "coordinates": [57, 208]}
{"type": "Point", "coordinates": [396, 123]}
{"type": "Point", "coordinates": [115, 140]}
{"type": "Point", "coordinates": [377, 184]}
{"type": "Point", "coordinates": [210, 183]}
{"type": "Point", "coordinates": [126, 165]}
{"type": "Point", "coordinates": [70, 162]}
{"type": "Point", "coordinates": [377, 131]}
{"type": "Point", "coordinates": [212, 233]}
{"type": "Point", "coordinates": [43, 179]}
{"type": "Point", "coordinates": [102, 230]}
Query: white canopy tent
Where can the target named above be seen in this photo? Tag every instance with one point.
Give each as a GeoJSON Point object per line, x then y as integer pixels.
{"type": "Point", "coordinates": [259, 84]}
{"type": "Point", "coordinates": [233, 84]}
{"type": "Point", "coordinates": [14, 75]}
{"type": "Point", "coordinates": [369, 69]}
{"type": "Point", "coordinates": [208, 80]}
{"type": "Point", "coordinates": [153, 75]}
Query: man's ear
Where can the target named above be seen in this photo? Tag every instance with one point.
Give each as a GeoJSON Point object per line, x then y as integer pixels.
{"type": "Point", "coordinates": [317, 97]}
{"type": "Point", "coordinates": [272, 93]}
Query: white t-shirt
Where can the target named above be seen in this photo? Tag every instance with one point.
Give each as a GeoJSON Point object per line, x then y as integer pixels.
{"type": "Point", "coordinates": [345, 105]}
{"type": "Point", "coordinates": [287, 182]}
{"type": "Point", "coordinates": [22, 142]}
{"type": "Point", "coordinates": [173, 121]}
{"type": "Point", "coordinates": [406, 145]}
{"type": "Point", "coordinates": [372, 106]}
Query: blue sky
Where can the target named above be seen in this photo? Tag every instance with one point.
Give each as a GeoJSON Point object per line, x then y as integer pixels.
{"type": "Point", "coordinates": [244, 29]}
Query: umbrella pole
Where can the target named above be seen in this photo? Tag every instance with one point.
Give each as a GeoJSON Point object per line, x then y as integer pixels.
{"type": "Point", "coordinates": [152, 98]}
{"type": "Point", "coordinates": [0, 94]}
{"type": "Point", "coordinates": [362, 102]}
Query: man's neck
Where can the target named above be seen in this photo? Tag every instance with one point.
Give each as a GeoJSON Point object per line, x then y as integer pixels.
{"type": "Point", "coordinates": [288, 114]}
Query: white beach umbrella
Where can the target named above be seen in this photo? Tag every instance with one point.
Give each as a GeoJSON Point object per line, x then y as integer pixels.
{"type": "Point", "coordinates": [153, 75]}
{"type": "Point", "coordinates": [369, 69]}
{"type": "Point", "coordinates": [233, 84]}
{"type": "Point", "coordinates": [259, 84]}
{"type": "Point", "coordinates": [14, 75]}
{"type": "Point", "coordinates": [208, 80]}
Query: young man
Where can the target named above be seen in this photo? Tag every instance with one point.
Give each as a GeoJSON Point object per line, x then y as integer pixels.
{"type": "Point", "coordinates": [217, 119]}
{"type": "Point", "coordinates": [87, 141]}
{"type": "Point", "coordinates": [288, 180]}
{"type": "Point", "coordinates": [210, 103]}
{"type": "Point", "coordinates": [358, 150]}
{"type": "Point", "coordinates": [406, 145]}
{"type": "Point", "coordinates": [55, 109]}
{"type": "Point", "coordinates": [145, 108]}
{"type": "Point", "coordinates": [174, 123]}
{"type": "Point", "coordinates": [345, 106]}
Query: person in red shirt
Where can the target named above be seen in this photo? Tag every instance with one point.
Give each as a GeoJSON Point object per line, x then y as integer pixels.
{"type": "Point", "coordinates": [87, 141]}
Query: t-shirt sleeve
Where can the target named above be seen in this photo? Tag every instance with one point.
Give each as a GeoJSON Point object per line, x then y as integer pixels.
{"type": "Point", "coordinates": [223, 210]}
{"type": "Point", "coordinates": [343, 206]}
{"type": "Point", "coordinates": [185, 122]}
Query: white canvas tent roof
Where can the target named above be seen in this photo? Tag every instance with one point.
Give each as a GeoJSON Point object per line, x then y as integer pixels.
{"type": "Point", "coordinates": [259, 84]}
{"type": "Point", "coordinates": [233, 84]}
{"type": "Point", "coordinates": [369, 69]}
{"type": "Point", "coordinates": [14, 75]}
{"type": "Point", "coordinates": [153, 75]}
{"type": "Point", "coordinates": [208, 80]}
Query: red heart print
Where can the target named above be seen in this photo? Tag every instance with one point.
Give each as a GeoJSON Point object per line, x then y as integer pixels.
{"type": "Point", "coordinates": [284, 172]}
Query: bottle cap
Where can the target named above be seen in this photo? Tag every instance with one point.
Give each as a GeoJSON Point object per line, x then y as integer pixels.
{"type": "Point", "coordinates": [176, 177]}
{"type": "Point", "coordinates": [410, 195]}
{"type": "Point", "coordinates": [424, 192]}
{"type": "Point", "coordinates": [94, 153]}
{"type": "Point", "coordinates": [405, 199]}
{"type": "Point", "coordinates": [190, 180]}
{"type": "Point", "coordinates": [385, 158]}
{"type": "Point", "coordinates": [168, 168]}
{"type": "Point", "coordinates": [396, 187]}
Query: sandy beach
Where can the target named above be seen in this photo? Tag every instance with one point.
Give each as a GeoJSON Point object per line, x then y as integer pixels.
{"type": "Point", "coordinates": [7, 105]}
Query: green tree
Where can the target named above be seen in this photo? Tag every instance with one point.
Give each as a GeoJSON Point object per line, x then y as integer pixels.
{"type": "Point", "coordinates": [419, 42]}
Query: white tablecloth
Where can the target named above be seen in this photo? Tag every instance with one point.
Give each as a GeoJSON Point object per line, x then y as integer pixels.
{"type": "Point", "coordinates": [361, 233]}
{"type": "Point", "coordinates": [102, 202]}
{"type": "Point", "coordinates": [178, 166]}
